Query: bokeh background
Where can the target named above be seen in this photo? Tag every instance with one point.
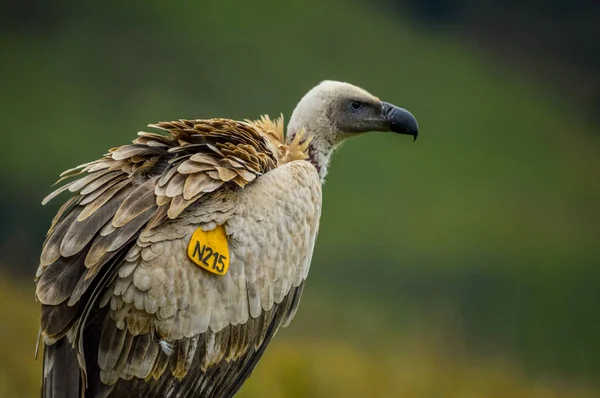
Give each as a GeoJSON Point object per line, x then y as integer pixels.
{"type": "Point", "coordinates": [465, 265]}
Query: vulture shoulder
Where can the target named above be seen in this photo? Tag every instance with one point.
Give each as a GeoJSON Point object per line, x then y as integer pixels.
{"type": "Point", "coordinates": [124, 304]}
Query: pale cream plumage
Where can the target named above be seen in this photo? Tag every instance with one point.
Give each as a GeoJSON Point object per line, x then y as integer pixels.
{"type": "Point", "coordinates": [116, 284]}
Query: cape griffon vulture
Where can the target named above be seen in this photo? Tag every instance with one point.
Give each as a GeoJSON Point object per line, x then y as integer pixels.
{"type": "Point", "coordinates": [178, 257]}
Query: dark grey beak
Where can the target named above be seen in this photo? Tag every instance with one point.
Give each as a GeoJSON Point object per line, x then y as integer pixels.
{"type": "Point", "coordinates": [401, 121]}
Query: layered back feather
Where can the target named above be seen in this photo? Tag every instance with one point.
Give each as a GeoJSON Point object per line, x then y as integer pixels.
{"type": "Point", "coordinates": [136, 187]}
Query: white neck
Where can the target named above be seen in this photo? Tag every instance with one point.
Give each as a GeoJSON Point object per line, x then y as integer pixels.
{"type": "Point", "coordinates": [319, 153]}
{"type": "Point", "coordinates": [311, 115]}
{"type": "Point", "coordinates": [320, 148]}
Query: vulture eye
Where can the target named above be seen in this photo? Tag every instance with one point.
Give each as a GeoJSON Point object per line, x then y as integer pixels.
{"type": "Point", "coordinates": [355, 105]}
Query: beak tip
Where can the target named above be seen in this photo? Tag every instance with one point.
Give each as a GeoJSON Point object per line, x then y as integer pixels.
{"type": "Point", "coordinates": [401, 121]}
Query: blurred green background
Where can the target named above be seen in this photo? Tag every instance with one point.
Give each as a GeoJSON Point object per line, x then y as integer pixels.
{"type": "Point", "coordinates": [465, 265]}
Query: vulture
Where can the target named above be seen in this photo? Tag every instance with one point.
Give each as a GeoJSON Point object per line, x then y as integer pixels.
{"type": "Point", "coordinates": [177, 258]}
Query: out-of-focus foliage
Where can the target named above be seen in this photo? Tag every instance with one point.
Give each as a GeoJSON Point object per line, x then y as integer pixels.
{"type": "Point", "coordinates": [556, 39]}
{"type": "Point", "coordinates": [487, 226]}
{"type": "Point", "coordinates": [19, 373]}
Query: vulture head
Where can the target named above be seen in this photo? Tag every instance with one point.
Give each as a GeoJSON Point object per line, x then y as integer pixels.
{"type": "Point", "coordinates": [334, 111]}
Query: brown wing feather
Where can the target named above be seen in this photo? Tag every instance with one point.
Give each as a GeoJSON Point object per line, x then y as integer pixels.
{"type": "Point", "coordinates": [57, 283]}
{"type": "Point", "coordinates": [161, 295]}
{"type": "Point", "coordinates": [131, 189]}
{"type": "Point", "coordinates": [242, 346]}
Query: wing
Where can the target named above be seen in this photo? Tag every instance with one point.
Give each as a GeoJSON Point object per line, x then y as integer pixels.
{"type": "Point", "coordinates": [134, 188]}
{"type": "Point", "coordinates": [217, 326]}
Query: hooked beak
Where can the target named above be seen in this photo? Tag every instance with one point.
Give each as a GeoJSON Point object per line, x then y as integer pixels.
{"type": "Point", "coordinates": [401, 121]}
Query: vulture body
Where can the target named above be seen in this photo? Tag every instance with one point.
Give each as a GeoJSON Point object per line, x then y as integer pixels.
{"type": "Point", "coordinates": [178, 257]}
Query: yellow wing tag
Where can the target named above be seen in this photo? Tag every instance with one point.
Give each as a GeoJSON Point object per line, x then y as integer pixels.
{"type": "Point", "coordinates": [209, 250]}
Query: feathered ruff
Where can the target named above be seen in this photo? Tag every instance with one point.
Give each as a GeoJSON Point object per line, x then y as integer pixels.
{"type": "Point", "coordinates": [296, 149]}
